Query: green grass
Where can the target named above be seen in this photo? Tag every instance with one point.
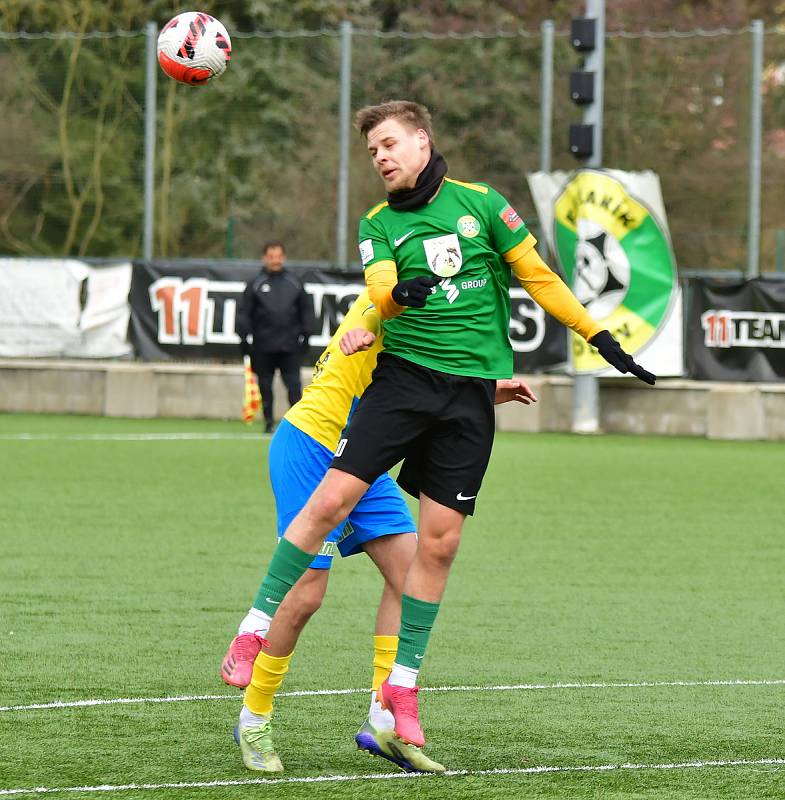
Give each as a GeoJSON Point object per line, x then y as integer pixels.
{"type": "Point", "coordinates": [126, 566]}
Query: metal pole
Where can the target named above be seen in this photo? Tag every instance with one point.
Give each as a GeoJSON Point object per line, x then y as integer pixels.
{"type": "Point", "coordinates": [756, 125]}
{"type": "Point", "coordinates": [344, 130]}
{"type": "Point", "coordinates": [151, 31]}
{"type": "Point", "coordinates": [586, 393]}
{"type": "Point", "coordinates": [595, 62]}
{"type": "Point", "coordinates": [546, 95]}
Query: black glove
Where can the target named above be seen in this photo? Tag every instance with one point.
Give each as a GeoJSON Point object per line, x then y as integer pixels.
{"type": "Point", "coordinates": [611, 351]}
{"type": "Point", "coordinates": [414, 292]}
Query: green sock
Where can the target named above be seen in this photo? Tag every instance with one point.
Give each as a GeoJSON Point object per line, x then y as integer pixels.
{"type": "Point", "coordinates": [286, 568]}
{"type": "Point", "coordinates": [417, 618]}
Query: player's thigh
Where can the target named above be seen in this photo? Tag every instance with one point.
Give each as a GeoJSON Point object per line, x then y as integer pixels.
{"type": "Point", "coordinates": [451, 459]}
{"type": "Point", "coordinates": [396, 408]}
{"type": "Point", "coordinates": [393, 555]}
{"type": "Point", "coordinates": [298, 464]}
{"type": "Point", "coordinates": [379, 522]}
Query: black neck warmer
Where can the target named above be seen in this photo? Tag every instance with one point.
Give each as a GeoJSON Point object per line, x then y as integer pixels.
{"type": "Point", "coordinates": [428, 182]}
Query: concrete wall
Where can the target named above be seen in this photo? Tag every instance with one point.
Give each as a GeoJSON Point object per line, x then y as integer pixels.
{"type": "Point", "coordinates": [131, 389]}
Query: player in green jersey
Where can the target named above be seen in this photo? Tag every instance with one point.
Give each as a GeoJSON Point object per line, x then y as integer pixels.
{"type": "Point", "coordinates": [463, 329]}
{"type": "Point", "coordinates": [438, 255]}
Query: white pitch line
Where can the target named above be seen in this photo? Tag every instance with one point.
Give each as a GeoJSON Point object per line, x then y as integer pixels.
{"type": "Point", "coordinates": [130, 437]}
{"type": "Point", "coordinates": [395, 776]}
{"type": "Point", "coordinates": [336, 692]}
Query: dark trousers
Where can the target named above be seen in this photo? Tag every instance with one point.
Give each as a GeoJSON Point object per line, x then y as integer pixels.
{"type": "Point", "coordinates": [264, 365]}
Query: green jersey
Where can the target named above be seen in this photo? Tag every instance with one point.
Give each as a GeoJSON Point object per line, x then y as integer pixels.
{"type": "Point", "coordinates": [460, 236]}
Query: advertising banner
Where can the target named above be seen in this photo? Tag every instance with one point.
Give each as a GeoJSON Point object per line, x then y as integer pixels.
{"type": "Point", "coordinates": [103, 323]}
{"type": "Point", "coordinates": [185, 311]}
{"type": "Point", "coordinates": [609, 234]}
{"type": "Point", "coordinates": [736, 330]}
{"type": "Point", "coordinates": [63, 308]}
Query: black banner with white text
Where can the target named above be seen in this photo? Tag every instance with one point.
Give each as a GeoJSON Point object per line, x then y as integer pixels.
{"type": "Point", "coordinates": [736, 330]}
{"type": "Point", "coordinates": [187, 312]}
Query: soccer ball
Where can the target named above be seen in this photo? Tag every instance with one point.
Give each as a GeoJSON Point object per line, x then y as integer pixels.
{"type": "Point", "coordinates": [194, 47]}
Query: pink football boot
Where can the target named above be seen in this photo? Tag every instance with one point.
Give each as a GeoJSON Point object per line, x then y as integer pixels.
{"type": "Point", "coordinates": [237, 666]}
{"type": "Point", "coordinates": [402, 704]}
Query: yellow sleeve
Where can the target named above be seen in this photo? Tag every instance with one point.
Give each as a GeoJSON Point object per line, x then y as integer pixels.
{"type": "Point", "coordinates": [362, 313]}
{"type": "Point", "coordinates": [380, 278]}
{"type": "Point", "coordinates": [371, 320]}
{"type": "Point", "coordinates": [548, 290]}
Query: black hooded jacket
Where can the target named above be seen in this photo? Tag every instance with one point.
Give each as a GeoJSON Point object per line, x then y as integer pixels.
{"type": "Point", "coordinates": [276, 310]}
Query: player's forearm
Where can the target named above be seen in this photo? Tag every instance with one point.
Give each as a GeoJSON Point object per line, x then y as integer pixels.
{"type": "Point", "coordinates": [549, 291]}
{"type": "Point", "coordinates": [371, 321]}
{"type": "Point", "coordinates": [366, 315]}
{"type": "Point", "coordinates": [380, 279]}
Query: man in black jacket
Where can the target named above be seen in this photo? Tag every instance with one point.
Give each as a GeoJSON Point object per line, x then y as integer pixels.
{"type": "Point", "coordinates": [274, 319]}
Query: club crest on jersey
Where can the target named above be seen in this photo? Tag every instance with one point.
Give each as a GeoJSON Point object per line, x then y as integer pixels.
{"type": "Point", "coordinates": [443, 255]}
{"type": "Point", "coordinates": [468, 226]}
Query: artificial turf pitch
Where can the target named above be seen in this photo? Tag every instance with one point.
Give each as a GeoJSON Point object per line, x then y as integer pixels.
{"type": "Point", "coordinates": [128, 562]}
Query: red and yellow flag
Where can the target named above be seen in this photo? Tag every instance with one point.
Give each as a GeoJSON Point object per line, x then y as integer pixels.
{"type": "Point", "coordinates": [252, 398]}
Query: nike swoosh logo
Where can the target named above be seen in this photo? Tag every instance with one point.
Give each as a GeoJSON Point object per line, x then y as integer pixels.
{"type": "Point", "coordinates": [418, 656]}
{"type": "Point", "coordinates": [460, 496]}
{"type": "Point", "coordinates": [403, 238]}
{"type": "Point", "coordinates": [277, 602]}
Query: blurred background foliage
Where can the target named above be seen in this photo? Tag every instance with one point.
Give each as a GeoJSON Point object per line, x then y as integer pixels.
{"type": "Point", "coordinates": [254, 155]}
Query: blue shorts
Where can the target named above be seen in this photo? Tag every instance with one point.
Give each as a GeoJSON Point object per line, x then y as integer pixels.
{"type": "Point", "coordinates": [297, 465]}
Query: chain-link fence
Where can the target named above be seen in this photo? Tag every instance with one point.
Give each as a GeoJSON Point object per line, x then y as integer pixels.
{"type": "Point", "coordinates": [255, 154]}
{"type": "Point", "coordinates": [71, 159]}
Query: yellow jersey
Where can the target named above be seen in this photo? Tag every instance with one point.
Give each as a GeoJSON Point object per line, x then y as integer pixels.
{"type": "Point", "coordinates": [338, 380]}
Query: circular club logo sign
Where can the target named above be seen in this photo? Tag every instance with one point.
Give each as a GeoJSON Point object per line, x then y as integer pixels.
{"type": "Point", "coordinates": [468, 226]}
{"type": "Point", "coordinates": [618, 261]}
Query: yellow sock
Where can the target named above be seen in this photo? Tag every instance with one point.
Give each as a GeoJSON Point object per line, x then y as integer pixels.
{"type": "Point", "coordinates": [384, 650]}
{"type": "Point", "coordinates": [268, 675]}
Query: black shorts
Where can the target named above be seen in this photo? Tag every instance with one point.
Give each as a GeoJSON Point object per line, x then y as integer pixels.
{"type": "Point", "coordinates": [441, 424]}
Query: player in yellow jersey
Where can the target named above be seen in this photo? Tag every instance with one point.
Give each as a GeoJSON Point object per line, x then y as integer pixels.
{"type": "Point", "coordinates": [380, 525]}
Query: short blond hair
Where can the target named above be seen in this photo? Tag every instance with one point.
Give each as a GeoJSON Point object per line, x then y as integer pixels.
{"type": "Point", "coordinates": [407, 112]}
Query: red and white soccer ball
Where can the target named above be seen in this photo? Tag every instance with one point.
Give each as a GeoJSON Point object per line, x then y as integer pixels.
{"type": "Point", "coordinates": [193, 48]}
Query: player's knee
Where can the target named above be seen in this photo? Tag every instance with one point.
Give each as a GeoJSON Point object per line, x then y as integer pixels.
{"type": "Point", "coordinates": [440, 547]}
{"type": "Point", "coordinates": [329, 507]}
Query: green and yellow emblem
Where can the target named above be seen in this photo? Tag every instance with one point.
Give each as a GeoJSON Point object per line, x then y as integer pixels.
{"type": "Point", "coordinates": [617, 258]}
{"type": "Point", "coordinates": [468, 226]}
